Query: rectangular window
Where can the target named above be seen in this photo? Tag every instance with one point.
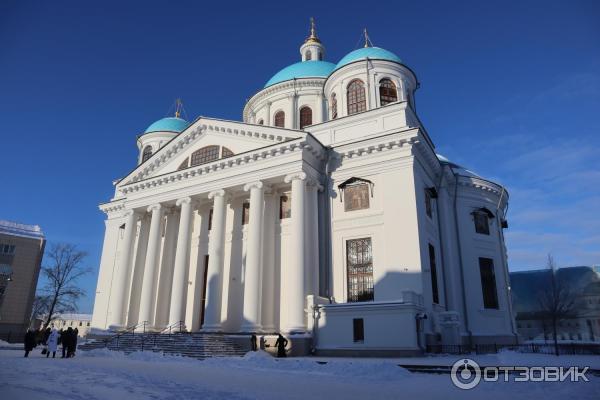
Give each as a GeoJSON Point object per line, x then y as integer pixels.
{"type": "Point", "coordinates": [356, 197]}
{"type": "Point", "coordinates": [359, 258]}
{"type": "Point", "coordinates": [434, 282]}
{"type": "Point", "coordinates": [285, 207]}
{"type": "Point", "coordinates": [358, 327]}
{"type": "Point", "coordinates": [210, 215]}
{"type": "Point", "coordinates": [245, 213]}
{"type": "Point", "coordinates": [7, 249]}
{"type": "Point", "coordinates": [481, 223]}
{"type": "Point", "coordinates": [488, 283]}
{"type": "Point", "coordinates": [428, 203]}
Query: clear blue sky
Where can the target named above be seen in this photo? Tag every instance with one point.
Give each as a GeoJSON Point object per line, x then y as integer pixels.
{"type": "Point", "coordinates": [510, 90]}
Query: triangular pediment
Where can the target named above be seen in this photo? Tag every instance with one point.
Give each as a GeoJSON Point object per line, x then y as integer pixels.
{"type": "Point", "coordinates": [237, 137]}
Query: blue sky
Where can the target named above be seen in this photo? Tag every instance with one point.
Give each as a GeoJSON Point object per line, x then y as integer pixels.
{"type": "Point", "coordinates": [510, 90]}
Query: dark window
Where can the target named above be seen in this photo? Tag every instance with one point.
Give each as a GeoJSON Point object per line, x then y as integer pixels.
{"type": "Point", "coordinates": [147, 153]}
{"type": "Point", "coordinates": [482, 223]}
{"type": "Point", "coordinates": [285, 207]}
{"type": "Point", "coordinates": [358, 328]}
{"type": "Point", "coordinates": [245, 213]}
{"type": "Point", "coordinates": [183, 165]}
{"type": "Point", "coordinates": [204, 155]}
{"type": "Point", "coordinates": [308, 55]}
{"type": "Point", "coordinates": [387, 92]}
{"type": "Point", "coordinates": [279, 119]}
{"type": "Point", "coordinates": [210, 215]}
{"type": "Point", "coordinates": [7, 249]}
{"type": "Point", "coordinates": [434, 281]}
{"type": "Point", "coordinates": [488, 282]}
{"type": "Point", "coordinates": [261, 122]}
{"type": "Point", "coordinates": [356, 197]}
{"type": "Point", "coordinates": [225, 152]}
{"type": "Point", "coordinates": [305, 117]}
{"type": "Point", "coordinates": [357, 101]}
{"type": "Point", "coordinates": [333, 106]}
{"type": "Point", "coordinates": [320, 56]}
{"type": "Point", "coordinates": [80, 323]}
{"type": "Point", "coordinates": [360, 270]}
{"type": "Point", "coordinates": [428, 209]}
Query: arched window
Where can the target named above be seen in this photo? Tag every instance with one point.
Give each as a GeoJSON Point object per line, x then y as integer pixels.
{"type": "Point", "coordinates": [261, 122]}
{"type": "Point", "coordinates": [183, 165]}
{"type": "Point", "coordinates": [147, 153]}
{"type": "Point", "coordinates": [387, 92]}
{"type": "Point", "coordinates": [333, 106]}
{"type": "Point", "coordinates": [204, 155]}
{"type": "Point", "coordinates": [279, 119]}
{"type": "Point", "coordinates": [305, 117]}
{"type": "Point", "coordinates": [357, 101]}
{"type": "Point", "coordinates": [225, 152]}
{"type": "Point", "coordinates": [320, 56]}
{"type": "Point", "coordinates": [308, 55]}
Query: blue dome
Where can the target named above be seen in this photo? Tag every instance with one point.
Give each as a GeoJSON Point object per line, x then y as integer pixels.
{"type": "Point", "coordinates": [170, 124]}
{"type": "Point", "coordinates": [374, 53]}
{"type": "Point", "coordinates": [304, 69]}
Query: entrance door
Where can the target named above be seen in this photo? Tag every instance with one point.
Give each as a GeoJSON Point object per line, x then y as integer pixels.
{"type": "Point", "coordinates": [204, 291]}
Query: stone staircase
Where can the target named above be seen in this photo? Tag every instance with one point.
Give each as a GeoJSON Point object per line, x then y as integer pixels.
{"type": "Point", "coordinates": [197, 345]}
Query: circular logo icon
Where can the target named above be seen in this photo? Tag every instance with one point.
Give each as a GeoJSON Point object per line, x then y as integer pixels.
{"type": "Point", "coordinates": [465, 374]}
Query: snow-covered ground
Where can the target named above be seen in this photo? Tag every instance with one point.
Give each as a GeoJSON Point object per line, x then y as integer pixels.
{"type": "Point", "coordinates": [102, 374]}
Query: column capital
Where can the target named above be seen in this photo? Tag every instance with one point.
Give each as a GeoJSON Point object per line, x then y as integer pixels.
{"type": "Point", "coordinates": [154, 207]}
{"type": "Point", "coordinates": [253, 185]}
{"type": "Point", "coordinates": [216, 193]}
{"type": "Point", "coordinates": [184, 200]}
{"type": "Point", "coordinates": [129, 213]}
{"type": "Point", "coordinates": [294, 176]}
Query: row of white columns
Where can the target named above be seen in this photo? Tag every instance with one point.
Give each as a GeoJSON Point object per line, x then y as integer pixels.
{"type": "Point", "coordinates": [294, 271]}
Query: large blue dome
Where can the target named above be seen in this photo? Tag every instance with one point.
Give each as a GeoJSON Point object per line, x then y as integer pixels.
{"type": "Point", "coordinates": [170, 124]}
{"type": "Point", "coordinates": [304, 69]}
{"type": "Point", "coordinates": [375, 53]}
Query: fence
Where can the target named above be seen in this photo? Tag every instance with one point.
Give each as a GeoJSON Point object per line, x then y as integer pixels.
{"type": "Point", "coordinates": [563, 349]}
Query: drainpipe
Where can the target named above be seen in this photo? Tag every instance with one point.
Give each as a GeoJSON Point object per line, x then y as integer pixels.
{"type": "Point", "coordinates": [328, 256]}
{"type": "Point", "coordinates": [505, 264]}
{"type": "Point", "coordinates": [461, 264]}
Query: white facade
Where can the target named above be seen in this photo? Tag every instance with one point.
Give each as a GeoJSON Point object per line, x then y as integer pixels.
{"type": "Point", "coordinates": [161, 264]}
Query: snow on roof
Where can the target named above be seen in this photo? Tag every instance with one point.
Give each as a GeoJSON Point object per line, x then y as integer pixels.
{"type": "Point", "coordinates": [16, 229]}
{"type": "Point", "coordinates": [74, 317]}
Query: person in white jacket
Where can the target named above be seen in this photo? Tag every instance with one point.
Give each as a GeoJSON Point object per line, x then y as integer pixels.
{"type": "Point", "coordinates": [52, 343]}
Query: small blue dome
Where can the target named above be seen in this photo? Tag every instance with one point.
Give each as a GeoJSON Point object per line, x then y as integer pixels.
{"type": "Point", "coordinates": [374, 53]}
{"type": "Point", "coordinates": [170, 124]}
{"type": "Point", "coordinates": [304, 69]}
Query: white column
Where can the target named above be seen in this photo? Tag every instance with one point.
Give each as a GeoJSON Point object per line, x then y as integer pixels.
{"type": "Point", "coordinates": [293, 272]}
{"type": "Point", "coordinates": [118, 298]}
{"type": "Point", "coordinates": [312, 238]}
{"type": "Point", "coordinates": [216, 250]}
{"type": "Point", "coordinates": [149, 284]}
{"type": "Point", "coordinates": [268, 113]}
{"type": "Point", "coordinates": [165, 279]}
{"type": "Point", "coordinates": [267, 315]}
{"type": "Point", "coordinates": [291, 112]}
{"type": "Point", "coordinates": [182, 258]}
{"type": "Point", "coordinates": [253, 271]}
{"type": "Point", "coordinates": [319, 110]}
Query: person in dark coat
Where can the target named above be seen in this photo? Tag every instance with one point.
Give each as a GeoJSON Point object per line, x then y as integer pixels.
{"type": "Point", "coordinates": [281, 343]}
{"type": "Point", "coordinates": [63, 342]}
{"type": "Point", "coordinates": [75, 337]}
{"type": "Point", "coordinates": [29, 342]}
{"type": "Point", "coordinates": [253, 342]}
{"type": "Point", "coordinates": [69, 343]}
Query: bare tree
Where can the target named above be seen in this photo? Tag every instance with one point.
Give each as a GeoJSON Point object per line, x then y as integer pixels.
{"type": "Point", "coordinates": [557, 301]}
{"type": "Point", "coordinates": [39, 308]}
{"type": "Point", "coordinates": [62, 272]}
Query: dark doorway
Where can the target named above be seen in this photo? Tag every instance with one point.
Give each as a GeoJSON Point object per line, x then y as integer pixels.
{"type": "Point", "coordinates": [204, 291]}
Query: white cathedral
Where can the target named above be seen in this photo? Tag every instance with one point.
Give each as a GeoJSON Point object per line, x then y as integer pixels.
{"type": "Point", "coordinates": [325, 214]}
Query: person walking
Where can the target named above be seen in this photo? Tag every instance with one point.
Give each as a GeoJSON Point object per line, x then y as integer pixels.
{"type": "Point", "coordinates": [253, 342]}
{"type": "Point", "coordinates": [29, 341]}
{"type": "Point", "coordinates": [281, 344]}
{"type": "Point", "coordinates": [52, 343]}
{"type": "Point", "coordinates": [63, 342]}
{"type": "Point", "coordinates": [70, 342]}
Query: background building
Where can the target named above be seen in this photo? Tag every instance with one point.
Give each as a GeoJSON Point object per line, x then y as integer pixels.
{"type": "Point", "coordinates": [65, 321]}
{"type": "Point", "coordinates": [21, 252]}
{"type": "Point", "coordinates": [583, 284]}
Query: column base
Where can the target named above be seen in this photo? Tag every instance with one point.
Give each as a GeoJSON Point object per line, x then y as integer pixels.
{"type": "Point", "coordinates": [211, 328]}
{"type": "Point", "coordinates": [116, 327]}
{"type": "Point", "coordinates": [250, 328]}
{"type": "Point", "coordinates": [176, 328]}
